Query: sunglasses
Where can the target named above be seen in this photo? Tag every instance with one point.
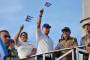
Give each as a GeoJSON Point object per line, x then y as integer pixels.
{"type": "Point", "coordinates": [7, 36]}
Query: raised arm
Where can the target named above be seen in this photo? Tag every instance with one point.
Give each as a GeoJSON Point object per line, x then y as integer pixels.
{"type": "Point", "coordinates": [39, 19]}
{"type": "Point", "coordinates": [16, 39]}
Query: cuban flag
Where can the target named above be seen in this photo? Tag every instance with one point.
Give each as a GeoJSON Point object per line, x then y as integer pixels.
{"type": "Point", "coordinates": [28, 18]}
{"type": "Point", "coordinates": [47, 4]}
{"type": "Point", "coordinates": [3, 50]}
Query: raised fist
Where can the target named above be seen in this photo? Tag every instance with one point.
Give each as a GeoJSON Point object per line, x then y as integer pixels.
{"type": "Point", "coordinates": [21, 27]}
{"type": "Point", "coordinates": [41, 12]}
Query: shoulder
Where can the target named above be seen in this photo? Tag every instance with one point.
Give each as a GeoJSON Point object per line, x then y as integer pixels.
{"type": "Point", "coordinates": [83, 38]}
{"type": "Point", "coordinates": [38, 31]}
{"type": "Point", "coordinates": [73, 38]}
{"type": "Point", "coordinates": [60, 40]}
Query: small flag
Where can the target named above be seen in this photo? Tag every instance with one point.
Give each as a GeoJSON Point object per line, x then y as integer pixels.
{"type": "Point", "coordinates": [28, 18]}
{"type": "Point", "coordinates": [47, 4]}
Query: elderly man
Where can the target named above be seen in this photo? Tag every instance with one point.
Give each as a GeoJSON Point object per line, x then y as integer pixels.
{"type": "Point", "coordinates": [66, 42]}
{"type": "Point", "coordinates": [86, 28]}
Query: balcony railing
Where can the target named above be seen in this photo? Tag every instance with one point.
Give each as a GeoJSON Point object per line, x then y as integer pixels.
{"type": "Point", "coordinates": [75, 51]}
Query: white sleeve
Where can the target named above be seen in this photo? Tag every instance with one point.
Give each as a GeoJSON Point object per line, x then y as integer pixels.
{"type": "Point", "coordinates": [33, 45]}
{"type": "Point", "coordinates": [18, 44]}
{"type": "Point", "coordinates": [38, 34]}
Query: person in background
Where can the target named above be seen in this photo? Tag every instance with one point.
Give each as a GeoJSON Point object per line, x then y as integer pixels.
{"type": "Point", "coordinates": [5, 37]}
{"type": "Point", "coordinates": [45, 43]}
{"type": "Point", "coordinates": [25, 48]}
{"type": "Point", "coordinates": [88, 46]}
{"type": "Point", "coordinates": [66, 41]}
{"type": "Point", "coordinates": [86, 28]}
{"type": "Point", "coordinates": [12, 50]}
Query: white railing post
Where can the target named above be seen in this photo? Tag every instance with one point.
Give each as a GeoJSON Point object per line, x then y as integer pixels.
{"type": "Point", "coordinates": [73, 54]}
{"type": "Point", "coordinates": [77, 54]}
{"type": "Point", "coordinates": [64, 55]}
{"type": "Point", "coordinates": [89, 57]}
{"type": "Point", "coordinates": [44, 56]}
{"type": "Point", "coordinates": [81, 56]}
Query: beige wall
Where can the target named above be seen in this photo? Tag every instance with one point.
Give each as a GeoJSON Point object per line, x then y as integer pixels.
{"type": "Point", "coordinates": [85, 9]}
{"type": "Point", "coordinates": [85, 13]}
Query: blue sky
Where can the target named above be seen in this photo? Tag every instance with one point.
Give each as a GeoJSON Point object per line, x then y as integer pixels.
{"type": "Point", "coordinates": [60, 14]}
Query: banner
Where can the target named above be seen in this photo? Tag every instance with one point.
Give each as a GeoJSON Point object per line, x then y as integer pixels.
{"type": "Point", "coordinates": [3, 50]}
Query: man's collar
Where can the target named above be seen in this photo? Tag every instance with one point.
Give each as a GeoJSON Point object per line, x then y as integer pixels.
{"type": "Point", "coordinates": [66, 38]}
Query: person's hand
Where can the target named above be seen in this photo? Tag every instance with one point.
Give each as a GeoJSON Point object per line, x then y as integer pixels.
{"type": "Point", "coordinates": [88, 49]}
{"type": "Point", "coordinates": [71, 47]}
{"type": "Point", "coordinates": [41, 12]}
{"type": "Point", "coordinates": [57, 47]}
{"type": "Point", "coordinates": [28, 56]}
{"type": "Point", "coordinates": [54, 49]}
{"type": "Point", "coordinates": [21, 27]}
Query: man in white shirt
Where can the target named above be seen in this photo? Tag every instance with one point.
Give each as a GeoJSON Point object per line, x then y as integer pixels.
{"type": "Point", "coordinates": [45, 44]}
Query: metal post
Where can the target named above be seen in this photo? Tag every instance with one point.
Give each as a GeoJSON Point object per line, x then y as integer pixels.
{"type": "Point", "coordinates": [64, 55]}
{"type": "Point", "coordinates": [43, 56]}
{"type": "Point", "coordinates": [81, 55]}
{"type": "Point", "coordinates": [73, 56]}
{"type": "Point", "coordinates": [77, 54]}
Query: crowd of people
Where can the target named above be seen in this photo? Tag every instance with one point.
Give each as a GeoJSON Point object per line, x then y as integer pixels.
{"type": "Point", "coordinates": [26, 48]}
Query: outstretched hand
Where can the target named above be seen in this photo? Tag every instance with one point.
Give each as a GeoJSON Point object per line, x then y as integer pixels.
{"type": "Point", "coordinates": [27, 56]}
{"type": "Point", "coordinates": [88, 49]}
{"type": "Point", "coordinates": [21, 27]}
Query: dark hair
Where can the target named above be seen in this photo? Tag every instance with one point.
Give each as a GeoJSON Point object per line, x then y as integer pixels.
{"type": "Point", "coordinates": [4, 31]}
{"type": "Point", "coordinates": [22, 33]}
